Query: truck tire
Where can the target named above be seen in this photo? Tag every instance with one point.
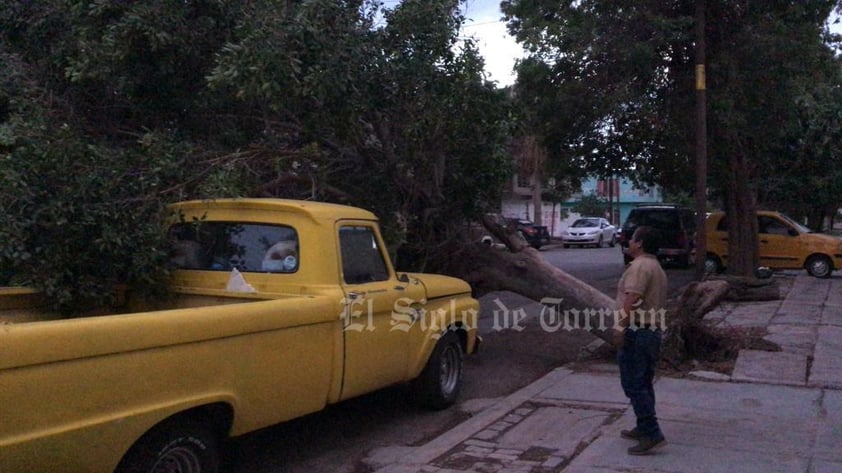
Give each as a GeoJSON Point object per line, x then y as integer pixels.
{"type": "Point", "coordinates": [439, 384]}
{"type": "Point", "coordinates": [181, 445]}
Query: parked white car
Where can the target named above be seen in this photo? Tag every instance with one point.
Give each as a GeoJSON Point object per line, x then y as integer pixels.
{"type": "Point", "coordinates": [590, 231]}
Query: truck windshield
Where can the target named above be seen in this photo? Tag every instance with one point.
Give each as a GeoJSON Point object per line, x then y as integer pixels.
{"type": "Point", "coordinates": [223, 246]}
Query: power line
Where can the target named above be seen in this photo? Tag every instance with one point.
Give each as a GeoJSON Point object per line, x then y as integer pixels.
{"type": "Point", "coordinates": [484, 23]}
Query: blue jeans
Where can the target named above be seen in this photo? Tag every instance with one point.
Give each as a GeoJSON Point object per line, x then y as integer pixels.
{"type": "Point", "coordinates": [637, 359]}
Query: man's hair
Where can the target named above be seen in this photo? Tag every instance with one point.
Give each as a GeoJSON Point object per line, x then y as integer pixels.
{"type": "Point", "coordinates": [649, 238]}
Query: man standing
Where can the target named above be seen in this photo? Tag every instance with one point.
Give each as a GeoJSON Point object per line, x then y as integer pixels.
{"type": "Point", "coordinates": [641, 297]}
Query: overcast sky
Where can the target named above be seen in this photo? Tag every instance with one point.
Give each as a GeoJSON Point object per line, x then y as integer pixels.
{"type": "Point", "coordinates": [498, 48]}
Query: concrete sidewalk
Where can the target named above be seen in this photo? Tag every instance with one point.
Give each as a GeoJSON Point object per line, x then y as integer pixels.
{"type": "Point", "coordinates": [778, 412]}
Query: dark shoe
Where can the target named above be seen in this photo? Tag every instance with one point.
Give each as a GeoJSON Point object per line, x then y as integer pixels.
{"type": "Point", "coordinates": [646, 445]}
{"type": "Point", "coordinates": [632, 434]}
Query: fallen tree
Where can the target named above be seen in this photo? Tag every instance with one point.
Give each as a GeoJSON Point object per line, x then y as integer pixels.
{"type": "Point", "coordinates": [514, 266]}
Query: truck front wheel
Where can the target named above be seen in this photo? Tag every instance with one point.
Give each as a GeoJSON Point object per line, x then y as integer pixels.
{"type": "Point", "coordinates": [178, 445]}
{"type": "Point", "coordinates": [439, 384]}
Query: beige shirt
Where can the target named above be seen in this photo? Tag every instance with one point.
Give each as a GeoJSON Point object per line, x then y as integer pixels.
{"type": "Point", "coordinates": [646, 278]}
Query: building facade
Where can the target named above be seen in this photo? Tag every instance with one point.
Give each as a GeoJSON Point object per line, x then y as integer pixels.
{"type": "Point", "coordinates": [620, 196]}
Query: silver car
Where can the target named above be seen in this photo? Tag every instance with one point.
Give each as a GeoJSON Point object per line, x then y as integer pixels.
{"type": "Point", "coordinates": [590, 231]}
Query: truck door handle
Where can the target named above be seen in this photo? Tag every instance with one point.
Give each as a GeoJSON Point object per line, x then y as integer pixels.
{"type": "Point", "coordinates": [764, 241]}
{"type": "Point", "coordinates": [400, 288]}
{"type": "Point", "coordinates": [354, 295]}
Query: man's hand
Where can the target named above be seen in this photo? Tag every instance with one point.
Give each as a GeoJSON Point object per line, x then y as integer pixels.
{"type": "Point", "coordinates": [618, 338]}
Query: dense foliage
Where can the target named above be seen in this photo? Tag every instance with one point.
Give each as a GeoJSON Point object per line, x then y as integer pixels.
{"type": "Point", "coordinates": [110, 110]}
{"type": "Point", "coordinates": [591, 205]}
{"type": "Point", "coordinates": [626, 70]}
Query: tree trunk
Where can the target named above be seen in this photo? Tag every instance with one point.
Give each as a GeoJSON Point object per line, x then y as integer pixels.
{"type": "Point", "coordinates": [571, 303]}
{"type": "Point", "coordinates": [523, 270]}
{"type": "Point", "coordinates": [743, 253]}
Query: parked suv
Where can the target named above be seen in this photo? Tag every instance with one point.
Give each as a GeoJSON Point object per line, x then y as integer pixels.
{"type": "Point", "coordinates": [676, 224]}
{"type": "Point", "coordinates": [535, 235]}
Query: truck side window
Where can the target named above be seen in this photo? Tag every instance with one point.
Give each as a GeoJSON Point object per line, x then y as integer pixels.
{"type": "Point", "coordinates": [362, 260]}
{"type": "Point", "coordinates": [223, 246]}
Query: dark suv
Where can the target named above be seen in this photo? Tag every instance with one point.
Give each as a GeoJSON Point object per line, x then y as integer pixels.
{"type": "Point", "coordinates": [676, 224]}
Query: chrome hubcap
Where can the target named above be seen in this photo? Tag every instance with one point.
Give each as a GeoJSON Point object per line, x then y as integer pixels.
{"type": "Point", "coordinates": [178, 460]}
{"type": "Point", "coordinates": [450, 369]}
{"type": "Point", "coordinates": [820, 267]}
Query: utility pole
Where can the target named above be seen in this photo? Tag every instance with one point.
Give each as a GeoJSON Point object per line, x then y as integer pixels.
{"type": "Point", "coordinates": [701, 141]}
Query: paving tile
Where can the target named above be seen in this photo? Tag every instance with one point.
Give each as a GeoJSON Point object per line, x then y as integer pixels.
{"type": "Point", "coordinates": [778, 403]}
{"type": "Point", "coordinates": [739, 432]}
{"type": "Point", "coordinates": [829, 437]}
{"type": "Point", "coordinates": [797, 313]}
{"type": "Point", "coordinates": [559, 429]}
{"type": "Point", "coordinates": [809, 289]}
{"type": "Point", "coordinates": [832, 315]}
{"type": "Point", "coordinates": [771, 367]}
{"type": "Point", "coordinates": [740, 417]}
{"type": "Point", "coordinates": [827, 360]}
{"type": "Point", "coordinates": [834, 296]}
{"type": "Point", "coordinates": [716, 427]}
{"type": "Point", "coordinates": [589, 388]}
{"type": "Point", "coordinates": [798, 339]}
{"type": "Point", "coordinates": [752, 315]}
{"type": "Point", "coordinates": [607, 454]}
{"type": "Point", "coordinates": [821, 466]}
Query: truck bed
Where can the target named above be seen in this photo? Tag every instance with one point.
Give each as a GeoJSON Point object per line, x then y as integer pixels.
{"type": "Point", "coordinates": [23, 305]}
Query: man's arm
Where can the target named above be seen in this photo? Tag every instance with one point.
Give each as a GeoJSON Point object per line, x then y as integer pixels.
{"type": "Point", "coordinates": [631, 300]}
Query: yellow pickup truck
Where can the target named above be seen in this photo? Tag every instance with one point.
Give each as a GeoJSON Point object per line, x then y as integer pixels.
{"type": "Point", "coordinates": [280, 308]}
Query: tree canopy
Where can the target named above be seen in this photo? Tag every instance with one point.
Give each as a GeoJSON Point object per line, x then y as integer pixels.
{"type": "Point", "coordinates": [109, 110]}
{"type": "Point", "coordinates": [626, 74]}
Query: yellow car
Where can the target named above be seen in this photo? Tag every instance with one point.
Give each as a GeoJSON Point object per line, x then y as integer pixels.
{"type": "Point", "coordinates": [783, 242]}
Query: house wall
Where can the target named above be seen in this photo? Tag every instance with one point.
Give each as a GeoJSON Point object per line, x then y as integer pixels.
{"type": "Point", "coordinates": [557, 217]}
{"type": "Point", "coordinates": [552, 216]}
{"type": "Point", "coordinates": [629, 197]}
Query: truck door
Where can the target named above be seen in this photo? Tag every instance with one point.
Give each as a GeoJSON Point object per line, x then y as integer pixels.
{"type": "Point", "coordinates": [376, 354]}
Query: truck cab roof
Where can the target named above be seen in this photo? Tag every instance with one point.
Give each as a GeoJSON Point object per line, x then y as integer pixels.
{"type": "Point", "coordinates": [318, 211]}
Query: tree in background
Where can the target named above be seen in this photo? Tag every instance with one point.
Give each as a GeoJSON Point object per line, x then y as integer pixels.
{"type": "Point", "coordinates": [812, 185]}
{"type": "Point", "coordinates": [626, 72]}
{"type": "Point", "coordinates": [764, 64]}
{"type": "Point", "coordinates": [591, 206]}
